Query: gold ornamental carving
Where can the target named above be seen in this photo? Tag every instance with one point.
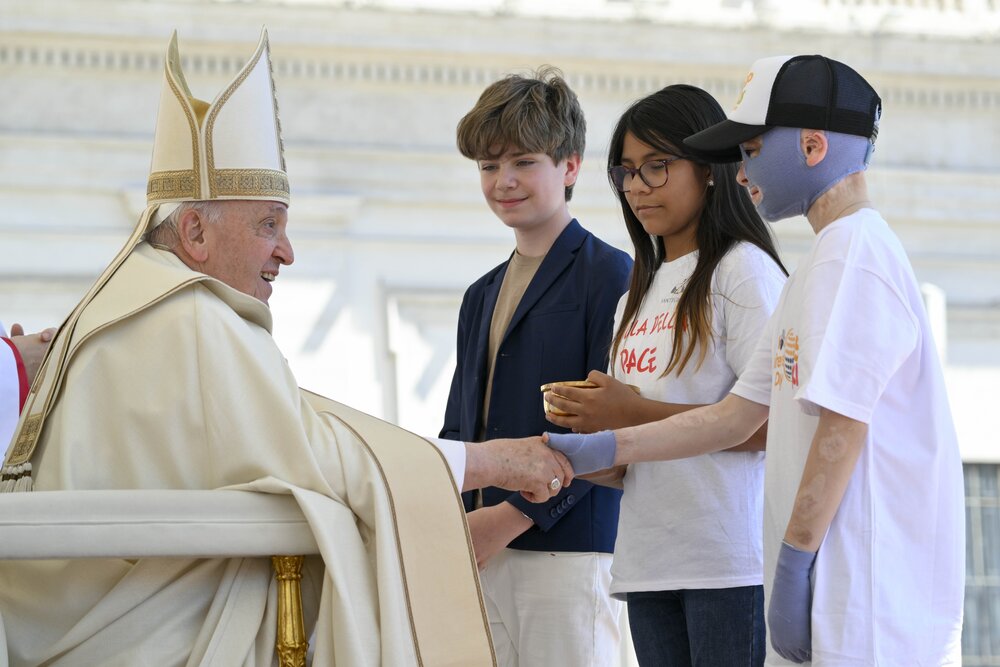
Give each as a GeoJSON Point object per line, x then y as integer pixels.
{"type": "Point", "coordinates": [291, 644]}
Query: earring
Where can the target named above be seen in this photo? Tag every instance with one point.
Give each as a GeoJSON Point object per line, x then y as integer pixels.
{"type": "Point", "coordinates": [711, 183]}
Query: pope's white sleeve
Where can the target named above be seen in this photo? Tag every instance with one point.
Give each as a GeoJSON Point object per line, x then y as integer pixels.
{"type": "Point", "coordinates": [454, 455]}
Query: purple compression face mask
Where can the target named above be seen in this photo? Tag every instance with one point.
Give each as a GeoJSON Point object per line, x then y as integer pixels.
{"type": "Point", "coordinates": [787, 184]}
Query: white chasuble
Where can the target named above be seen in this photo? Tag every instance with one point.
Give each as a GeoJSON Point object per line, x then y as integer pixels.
{"type": "Point", "coordinates": [172, 381]}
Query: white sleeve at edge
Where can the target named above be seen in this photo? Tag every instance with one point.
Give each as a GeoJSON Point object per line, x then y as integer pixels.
{"type": "Point", "coordinates": [454, 454]}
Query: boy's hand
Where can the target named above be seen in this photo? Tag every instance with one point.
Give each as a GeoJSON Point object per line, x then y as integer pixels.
{"type": "Point", "coordinates": [790, 608]}
{"type": "Point", "coordinates": [587, 453]}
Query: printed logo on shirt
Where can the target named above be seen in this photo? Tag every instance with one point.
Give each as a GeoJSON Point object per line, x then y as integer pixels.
{"type": "Point", "coordinates": [679, 287]}
{"type": "Point", "coordinates": [786, 362]}
{"type": "Point", "coordinates": [642, 358]}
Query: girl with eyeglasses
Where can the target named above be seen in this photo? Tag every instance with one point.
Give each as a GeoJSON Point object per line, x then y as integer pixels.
{"type": "Point", "coordinates": [688, 558]}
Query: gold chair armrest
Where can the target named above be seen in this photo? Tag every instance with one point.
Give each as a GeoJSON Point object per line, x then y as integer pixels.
{"type": "Point", "coordinates": [291, 642]}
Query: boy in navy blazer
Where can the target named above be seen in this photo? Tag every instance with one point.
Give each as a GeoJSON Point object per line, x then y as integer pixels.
{"type": "Point", "coordinates": [544, 315]}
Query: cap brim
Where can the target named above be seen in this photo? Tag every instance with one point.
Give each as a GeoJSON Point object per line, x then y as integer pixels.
{"type": "Point", "coordinates": [721, 142]}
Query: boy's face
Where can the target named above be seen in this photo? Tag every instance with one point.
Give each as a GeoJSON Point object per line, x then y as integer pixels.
{"type": "Point", "coordinates": [527, 191]}
{"type": "Point", "coordinates": [750, 150]}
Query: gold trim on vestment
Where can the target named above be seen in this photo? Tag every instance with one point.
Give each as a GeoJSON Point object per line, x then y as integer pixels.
{"type": "Point", "coordinates": [25, 444]}
{"type": "Point", "coordinates": [395, 532]}
{"type": "Point", "coordinates": [339, 411]}
{"type": "Point", "coordinates": [16, 468]}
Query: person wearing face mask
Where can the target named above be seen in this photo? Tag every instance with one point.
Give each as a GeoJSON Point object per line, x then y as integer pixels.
{"type": "Point", "coordinates": [864, 542]}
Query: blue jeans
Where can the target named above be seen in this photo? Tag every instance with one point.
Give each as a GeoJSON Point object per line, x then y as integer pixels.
{"type": "Point", "coordinates": [721, 627]}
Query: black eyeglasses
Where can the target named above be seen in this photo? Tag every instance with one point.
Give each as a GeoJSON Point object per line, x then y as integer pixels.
{"type": "Point", "coordinates": [653, 173]}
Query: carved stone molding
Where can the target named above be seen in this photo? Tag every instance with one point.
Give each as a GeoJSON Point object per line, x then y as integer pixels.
{"type": "Point", "coordinates": [23, 53]}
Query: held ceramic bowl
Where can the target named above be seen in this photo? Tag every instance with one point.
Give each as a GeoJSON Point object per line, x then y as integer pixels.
{"type": "Point", "coordinates": [550, 409]}
{"type": "Point", "coordinates": [583, 384]}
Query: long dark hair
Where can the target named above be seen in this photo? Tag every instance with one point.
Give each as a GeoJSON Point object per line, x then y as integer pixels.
{"type": "Point", "coordinates": [662, 120]}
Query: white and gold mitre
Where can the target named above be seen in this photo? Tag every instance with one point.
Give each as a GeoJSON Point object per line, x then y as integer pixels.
{"type": "Point", "coordinates": [229, 149]}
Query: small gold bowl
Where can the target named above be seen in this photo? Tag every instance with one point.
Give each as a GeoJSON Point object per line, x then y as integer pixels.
{"type": "Point", "coordinates": [582, 384]}
{"type": "Point", "coordinates": [551, 409]}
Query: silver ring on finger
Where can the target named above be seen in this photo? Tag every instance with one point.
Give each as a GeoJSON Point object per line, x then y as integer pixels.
{"type": "Point", "coordinates": [555, 484]}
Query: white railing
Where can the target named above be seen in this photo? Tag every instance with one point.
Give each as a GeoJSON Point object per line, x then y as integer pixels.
{"type": "Point", "coordinates": [161, 524]}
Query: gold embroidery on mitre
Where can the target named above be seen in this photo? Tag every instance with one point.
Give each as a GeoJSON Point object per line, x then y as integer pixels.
{"type": "Point", "coordinates": [214, 113]}
{"type": "Point", "coordinates": [168, 191]}
{"type": "Point", "coordinates": [277, 117]}
{"type": "Point", "coordinates": [203, 181]}
{"type": "Point", "coordinates": [249, 183]}
{"type": "Point", "coordinates": [181, 184]}
{"type": "Point", "coordinates": [193, 126]}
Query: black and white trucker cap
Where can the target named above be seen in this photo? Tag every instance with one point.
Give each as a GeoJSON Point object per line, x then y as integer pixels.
{"type": "Point", "coordinates": [811, 92]}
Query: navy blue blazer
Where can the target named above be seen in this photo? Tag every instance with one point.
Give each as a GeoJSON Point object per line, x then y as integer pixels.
{"type": "Point", "coordinates": [561, 330]}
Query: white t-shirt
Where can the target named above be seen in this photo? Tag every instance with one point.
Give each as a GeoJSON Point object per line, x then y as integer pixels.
{"type": "Point", "coordinates": [10, 393]}
{"type": "Point", "coordinates": [850, 334]}
{"type": "Point", "coordinates": [694, 523]}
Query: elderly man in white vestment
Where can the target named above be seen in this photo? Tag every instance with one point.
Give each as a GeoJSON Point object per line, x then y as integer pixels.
{"type": "Point", "coordinates": [166, 377]}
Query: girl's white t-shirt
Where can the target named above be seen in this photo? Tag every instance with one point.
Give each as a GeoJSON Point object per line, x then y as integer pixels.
{"type": "Point", "coordinates": [850, 334]}
{"type": "Point", "coordinates": [694, 523]}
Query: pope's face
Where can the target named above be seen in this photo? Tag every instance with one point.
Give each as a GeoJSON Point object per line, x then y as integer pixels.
{"type": "Point", "coordinates": [248, 245]}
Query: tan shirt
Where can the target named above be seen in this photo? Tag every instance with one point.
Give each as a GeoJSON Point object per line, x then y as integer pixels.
{"type": "Point", "coordinates": [520, 271]}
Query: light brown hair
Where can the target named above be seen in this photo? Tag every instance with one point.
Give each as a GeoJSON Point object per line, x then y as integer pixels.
{"type": "Point", "coordinates": [535, 114]}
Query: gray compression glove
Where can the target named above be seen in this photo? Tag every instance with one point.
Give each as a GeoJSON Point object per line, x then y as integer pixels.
{"type": "Point", "coordinates": [790, 608]}
{"type": "Point", "coordinates": [586, 452]}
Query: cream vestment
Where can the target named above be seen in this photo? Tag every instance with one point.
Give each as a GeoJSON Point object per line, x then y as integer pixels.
{"type": "Point", "coordinates": [172, 380]}
{"type": "Point", "coordinates": [164, 378]}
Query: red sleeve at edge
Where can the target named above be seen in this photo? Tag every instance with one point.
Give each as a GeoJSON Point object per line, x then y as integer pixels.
{"type": "Point", "coordinates": [22, 374]}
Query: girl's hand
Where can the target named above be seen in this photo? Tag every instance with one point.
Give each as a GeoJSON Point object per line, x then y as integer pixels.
{"type": "Point", "coordinates": [609, 405]}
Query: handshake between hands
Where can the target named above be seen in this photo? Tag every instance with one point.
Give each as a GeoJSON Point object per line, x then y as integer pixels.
{"type": "Point", "coordinates": [539, 467]}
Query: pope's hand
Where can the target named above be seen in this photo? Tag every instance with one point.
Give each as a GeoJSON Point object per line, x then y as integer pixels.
{"type": "Point", "coordinates": [524, 465]}
{"type": "Point", "coordinates": [493, 528]}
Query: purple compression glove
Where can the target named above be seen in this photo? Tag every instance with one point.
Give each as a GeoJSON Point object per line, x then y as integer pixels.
{"type": "Point", "coordinates": [790, 608]}
{"type": "Point", "coordinates": [586, 452]}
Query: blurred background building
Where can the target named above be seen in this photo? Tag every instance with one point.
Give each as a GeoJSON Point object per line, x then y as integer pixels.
{"type": "Point", "coordinates": [388, 220]}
